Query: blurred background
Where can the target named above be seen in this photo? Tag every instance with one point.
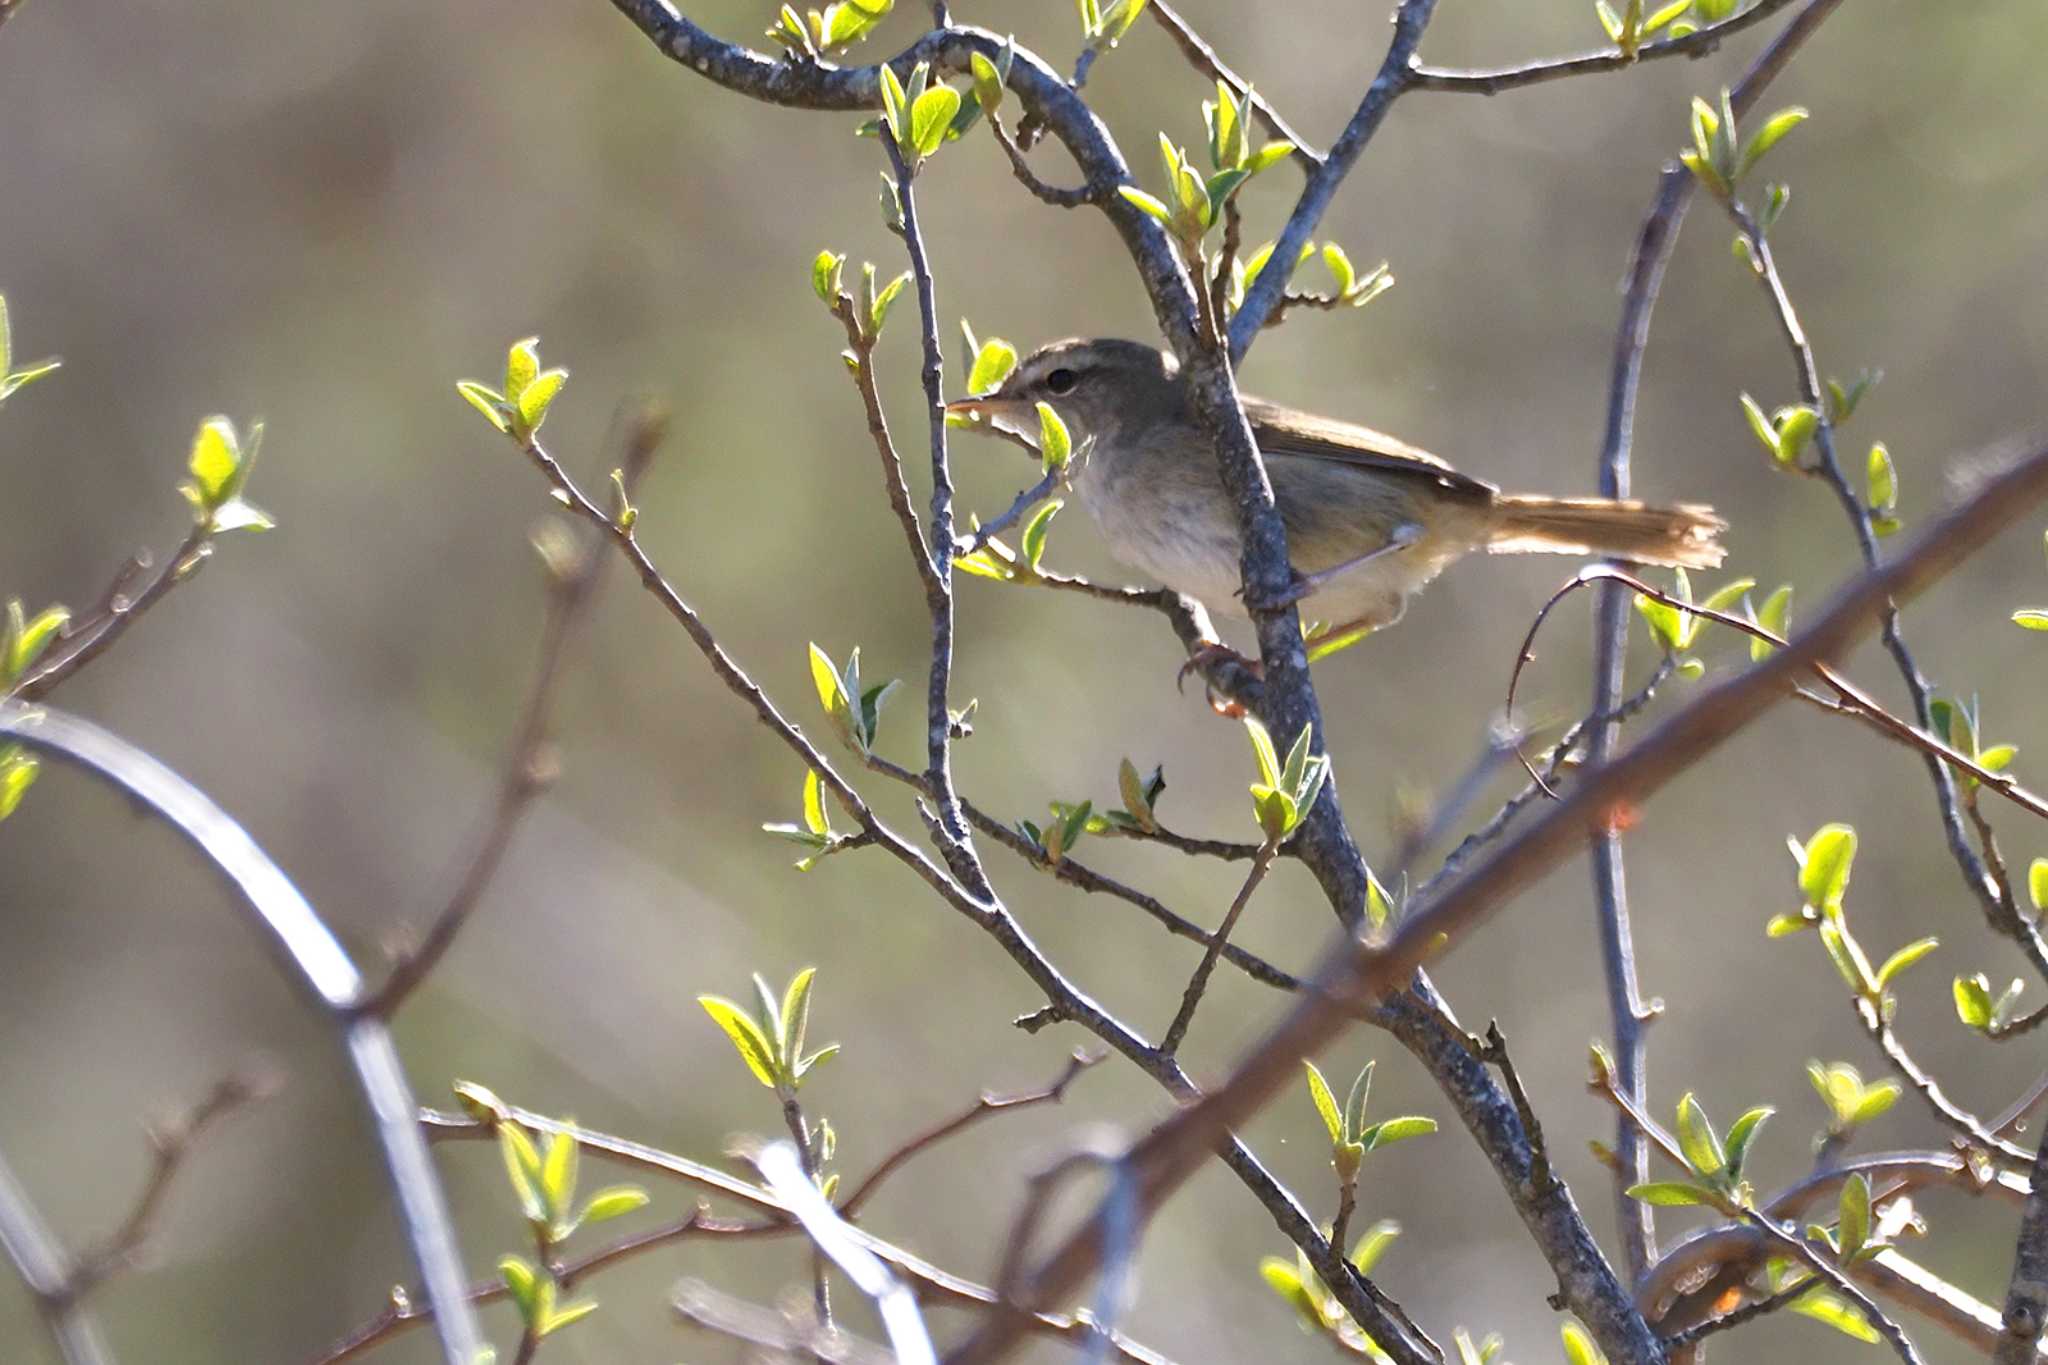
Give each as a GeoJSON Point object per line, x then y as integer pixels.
{"type": "Point", "coordinates": [325, 215]}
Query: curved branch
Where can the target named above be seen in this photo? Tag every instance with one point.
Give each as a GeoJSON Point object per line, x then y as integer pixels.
{"type": "Point", "coordinates": [321, 966]}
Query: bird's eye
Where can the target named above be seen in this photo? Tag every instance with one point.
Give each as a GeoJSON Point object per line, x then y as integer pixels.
{"type": "Point", "coordinates": [1061, 382]}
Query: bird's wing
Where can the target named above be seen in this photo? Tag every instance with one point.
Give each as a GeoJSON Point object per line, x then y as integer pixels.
{"type": "Point", "coordinates": [1288, 431]}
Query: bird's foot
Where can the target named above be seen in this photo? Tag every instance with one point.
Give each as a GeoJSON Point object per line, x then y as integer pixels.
{"type": "Point", "coordinates": [1221, 669]}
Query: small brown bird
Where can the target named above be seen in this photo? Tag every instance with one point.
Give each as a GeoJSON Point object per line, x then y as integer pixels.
{"type": "Point", "coordinates": [1370, 519]}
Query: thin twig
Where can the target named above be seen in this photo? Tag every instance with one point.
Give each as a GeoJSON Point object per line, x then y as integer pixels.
{"type": "Point", "coordinates": [1191, 998]}
{"type": "Point", "coordinates": [1204, 59]}
{"type": "Point", "coordinates": [528, 768]}
{"type": "Point", "coordinates": [1023, 503]}
{"type": "Point", "coordinates": [170, 1142]}
{"type": "Point", "coordinates": [1655, 242]}
{"type": "Point", "coordinates": [119, 612]}
{"type": "Point", "coordinates": [1829, 1272]}
{"type": "Point", "coordinates": [987, 1106]}
{"type": "Point", "coordinates": [1699, 43]}
{"type": "Point", "coordinates": [1055, 195]}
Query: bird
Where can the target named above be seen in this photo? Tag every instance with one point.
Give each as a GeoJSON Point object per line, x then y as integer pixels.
{"type": "Point", "coordinates": [1370, 519]}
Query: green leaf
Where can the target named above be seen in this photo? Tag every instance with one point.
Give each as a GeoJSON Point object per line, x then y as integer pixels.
{"type": "Point", "coordinates": [747, 1036]}
{"type": "Point", "coordinates": [931, 116]}
{"type": "Point", "coordinates": [1666, 626]}
{"type": "Point", "coordinates": [1389, 1131]}
{"type": "Point", "coordinates": [555, 1319]}
{"type": "Point", "coordinates": [1280, 1276]}
{"type": "Point", "coordinates": [988, 82]}
{"type": "Point", "coordinates": [487, 401]}
{"type": "Point", "coordinates": [795, 1016]}
{"type": "Point", "coordinates": [1696, 1138]}
{"type": "Point", "coordinates": [1760, 423]}
{"type": "Point", "coordinates": [893, 103]}
{"type": "Point", "coordinates": [1032, 541]}
{"type": "Point", "coordinates": [523, 1168]}
{"type": "Point", "coordinates": [1262, 750]}
{"type": "Point", "coordinates": [216, 458]}
{"type": "Point", "coordinates": [537, 395]}
{"type": "Point", "coordinates": [828, 272]}
{"type": "Point", "coordinates": [832, 694]}
{"type": "Point", "coordinates": [1783, 926]}
{"type": "Point", "coordinates": [1295, 770]}
{"type": "Point", "coordinates": [1883, 480]}
{"type": "Point", "coordinates": [1325, 1102]}
{"type": "Point", "coordinates": [1904, 958]}
{"type": "Point", "coordinates": [1825, 875]}
{"type": "Point", "coordinates": [1852, 1215]}
{"type": "Point", "coordinates": [1837, 1313]}
{"type": "Point", "coordinates": [1665, 15]}
{"type": "Point", "coordinates": [558, 1172]}
{"type": "Point", "coordinates": [1714, 11]}
{"type": "Point", "coordinates": [1055, 445]}
{"type": "Point", "coordinates": [1275, 811]}
{"type": "Point", "coordinates": [6, 338]}
{"type": "Point", "coordinates": [1341, 270]}
{"type": "Point", "coordinates": [1150, 205]}
{"type": "Point", "coordinates": [1847, 956]}
{"type": "Point", "coordinates": [992, 364]}
{"type": "Point", "coordinates": [1220, 186]}
{"type": "Point", "coordinates": [816, 819]}
{"type": "Point", "coordinates": [1673, 1193]}
{"type": "Point", "coordinates": [522, 363]}
{"type": "Point", "coordinates": [520, 1279]}
{"type": "Point", "coordinates": [1875, 1100]}
{"type": "Point", "coordinates": [1379, 908]}
{"type": "Point", "coordinates": [1609, 20]}
{"type": "Point", "coordinates": [1270, 155]}
{"type": "Point", "coordinates": [879, 313]}
{"type": "Point", "coordinates": [1728, 594]}
{"type": "Point", "coordinates": [1774, 129]}
{"type": "Point", "coordinates": [1776, 618]}
{"type": "Point", "coordinates": [1579, 1347]}
{"type": "Point", "coordinates": [1321, 646]}
{"type": "Point", "coordinates": [17, 774]}
{"type": "Point", "coordinates": [1973, 1001]}
{"type": "Point", "coordinates": [25, 640]}
{"type": "Point", "coordinates": [1366, 1253]}
{"type": "Point", "coordinates": [1136, 799]}
{"type": "Point", "coordinates": [2030, 618]}
{"type": "Point", "coordinates": [1355, 1101]}
{"type": "Point", "coordinates": [1740, 1134]}
{"type": "Point", "coordinates": [1796, 427]}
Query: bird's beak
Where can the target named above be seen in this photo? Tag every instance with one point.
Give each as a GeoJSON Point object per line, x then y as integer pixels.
{"type": "Point", "coordinates": [1011, 417]}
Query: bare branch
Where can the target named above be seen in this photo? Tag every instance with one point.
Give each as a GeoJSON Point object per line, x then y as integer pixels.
{"type": "Point", "coordinates": [1204, 59]}
{"type": "Point", "coordinates": [1697, 44]}
{"type": "Point", "coordinates": [528, 767]}
{"type": "Point", "coordinates": [320, 965]}
{"type": "Point", "coordinates": [1191, 998]}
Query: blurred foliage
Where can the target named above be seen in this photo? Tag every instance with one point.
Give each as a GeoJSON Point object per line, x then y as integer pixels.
{"type": "Point", "coordinates": [325, 213]}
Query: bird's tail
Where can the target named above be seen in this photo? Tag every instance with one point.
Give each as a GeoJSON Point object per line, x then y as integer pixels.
{"type": "Point", "coordinates": [1684, 535]}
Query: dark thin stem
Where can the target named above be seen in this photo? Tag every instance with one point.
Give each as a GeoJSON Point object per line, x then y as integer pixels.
{"type": "Point", "coordinates": [1826, 1270]}
{"type": "Point", "coordinates": [955, 843]}
{"type": "Point", "coordinates": [1051, 194]}
{"type": "Point", "coordinates": [170, 1143]}
{"type": "Point", "coordinates": [1655, 242]}
{"type": "Point", "coordinates": [119, 613]}
{"type": "Point", "coordinates": [1191, 998]}
{"type": "Point", "coordinates": [528, 768]}
{"type": "Point", "coordinates": [1204, 59]}
{"type": "Point", "coordinates": [986, 1107]}
{"type": "Point", "coordinates": [1696, 44]}
{"type": "Point", "coordinates": [1945, 1109]}
{"type": "Point", "coordinates": [1396, 74]}
{"type": "Point", "coordinates": [1747, 1313]}
{"type": "Point", "coordinates": [1023, 503]}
